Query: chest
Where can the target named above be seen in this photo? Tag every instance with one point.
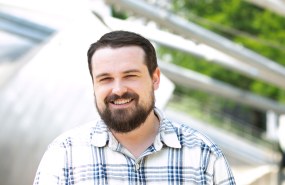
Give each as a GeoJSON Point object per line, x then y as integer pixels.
{"type": "Point", "coordinates": [167, 166]}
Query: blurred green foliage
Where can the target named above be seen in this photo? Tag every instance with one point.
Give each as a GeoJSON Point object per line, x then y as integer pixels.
{"type": "Point", "coordinates": [255, 28]}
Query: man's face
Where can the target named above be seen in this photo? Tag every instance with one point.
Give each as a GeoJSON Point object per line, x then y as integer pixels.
{"type": "Point", "coordinates": [124, 90]}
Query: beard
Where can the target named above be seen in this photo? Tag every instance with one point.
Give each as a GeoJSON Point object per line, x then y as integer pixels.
{"type": "Point", "coordinates": [126, 119]}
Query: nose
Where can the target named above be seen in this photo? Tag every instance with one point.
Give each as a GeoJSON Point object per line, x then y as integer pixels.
{"type": "Point", "coordinates": [119, 88]}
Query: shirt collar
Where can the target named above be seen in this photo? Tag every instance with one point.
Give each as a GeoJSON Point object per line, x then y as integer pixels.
{"type": "Point", "coordinates": [167, 134]}
{"type": "Point", "coordinates": [100, 135]}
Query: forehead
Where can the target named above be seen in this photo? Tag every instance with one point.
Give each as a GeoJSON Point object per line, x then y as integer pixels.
{"type": "Point", "coordinates": [108, 58]}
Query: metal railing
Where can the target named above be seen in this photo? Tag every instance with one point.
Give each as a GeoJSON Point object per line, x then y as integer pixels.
{"type": "Point", "coordinates": [211, 114]}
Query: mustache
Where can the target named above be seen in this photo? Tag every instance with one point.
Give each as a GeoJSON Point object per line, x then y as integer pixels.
{"type": "Point", "coordinates": [127, 95]}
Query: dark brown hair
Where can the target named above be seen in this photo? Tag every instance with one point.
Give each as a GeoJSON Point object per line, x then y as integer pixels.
{"type": "Point", "coordinates": [116, 39]}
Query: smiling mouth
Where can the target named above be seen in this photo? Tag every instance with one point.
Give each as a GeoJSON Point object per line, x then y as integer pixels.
{"type": "Point", "coordinates": [122, 101]}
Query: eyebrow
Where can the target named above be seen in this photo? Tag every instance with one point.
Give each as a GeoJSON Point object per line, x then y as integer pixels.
{"type": "Point", "coordinates": [125, 72]}
{"type": "Point", "coordinates": [132, 71]}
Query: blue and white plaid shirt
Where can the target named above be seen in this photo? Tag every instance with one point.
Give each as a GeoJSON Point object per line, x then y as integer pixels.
{"type": "Point", "coordinates": [90, 154]}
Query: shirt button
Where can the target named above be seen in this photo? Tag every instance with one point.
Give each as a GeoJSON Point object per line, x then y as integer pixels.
{"type": "Point", "coordinates": [137, 166]}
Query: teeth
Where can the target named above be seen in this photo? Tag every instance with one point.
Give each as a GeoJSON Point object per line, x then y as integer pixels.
{"type": "Point", "coordinates": [121, 101]}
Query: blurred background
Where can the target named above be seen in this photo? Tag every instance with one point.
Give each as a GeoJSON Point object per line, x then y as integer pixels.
{"type": "Point", "coordinates": [223, 65]}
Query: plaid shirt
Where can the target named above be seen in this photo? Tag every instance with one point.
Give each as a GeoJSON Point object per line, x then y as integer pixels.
{"type": "Point", "coordinates": [91, 155]}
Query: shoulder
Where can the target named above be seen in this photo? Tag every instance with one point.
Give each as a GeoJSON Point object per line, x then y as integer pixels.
{"type": "Point", "coordinates": [80, 134]}
{"type": "Point", "coordinates": [193, 138]}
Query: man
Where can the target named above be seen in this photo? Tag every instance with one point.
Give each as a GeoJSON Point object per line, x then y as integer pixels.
{"type": "Point", "coordinates": [132, 143]}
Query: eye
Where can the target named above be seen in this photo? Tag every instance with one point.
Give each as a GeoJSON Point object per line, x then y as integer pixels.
{"type": "Point", "coordinates": [131, 76]}
{"type": "Point", "coordinates": [105, 79]}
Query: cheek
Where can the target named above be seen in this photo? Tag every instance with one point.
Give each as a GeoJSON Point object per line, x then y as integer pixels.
{"type": "Point", "coordinates": [146, 93]}
{"type": "Point", "coordinates": [99, 95]}
{"type": "Point", "coordinates": [99, 103]}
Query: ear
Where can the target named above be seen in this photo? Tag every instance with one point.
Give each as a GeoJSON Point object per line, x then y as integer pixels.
{"type": "Point", "coordinates": [156, 78]}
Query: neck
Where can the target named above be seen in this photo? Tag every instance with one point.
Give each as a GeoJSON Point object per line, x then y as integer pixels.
{"type": "Point", "coordinates": [138, 140]}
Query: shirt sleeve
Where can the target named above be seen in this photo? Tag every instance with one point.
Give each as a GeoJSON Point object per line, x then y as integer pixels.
{"type": "Point", "coordinates": [52, 169]}
{"type": "Point", "coordinates": [222, 172]}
